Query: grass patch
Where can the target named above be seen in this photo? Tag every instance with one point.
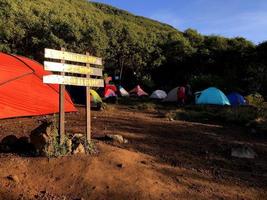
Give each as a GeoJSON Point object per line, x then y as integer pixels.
{"type": "Point", "coordinates": [239, 115]}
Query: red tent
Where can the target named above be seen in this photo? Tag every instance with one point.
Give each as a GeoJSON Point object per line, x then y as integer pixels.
{"type": "Point", "coordinates": [109, 93]}
{"type": "Point", "coordinates": [22, 91]}
{"type": "Point", "coordinates": [138, 91]}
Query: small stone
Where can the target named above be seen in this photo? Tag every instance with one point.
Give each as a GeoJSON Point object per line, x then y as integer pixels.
{"type": "Point", "coordinates": [79, 150]}
{"type": "Point", "coordinates": [120, 165]}
{"type": "Point", "coordinates": [143, 162]}
{"type": "Point", "coordinates": [116, 138]}
{"type": "Point", "coordinates": [78, 135]}
{"type": "Point", "coordinates": [243, 152]}
{"type": "Point", "coordinates": [14, 178]}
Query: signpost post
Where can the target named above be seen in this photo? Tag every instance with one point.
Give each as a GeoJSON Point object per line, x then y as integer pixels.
{"type": "Point", "coordinates": [88, 106]}
{"type": "Point", "coordinates": [82, 69]}
{"type": "Point", "coordinates": [62, 107]}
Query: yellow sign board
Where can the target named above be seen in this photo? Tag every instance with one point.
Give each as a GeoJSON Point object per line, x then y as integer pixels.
{"type": "Point", "coordinates": [72, 80]}
{"type": "Point", "coordinates": [74, 57]}
{"type": "Point", "coordinates": [63, 67]}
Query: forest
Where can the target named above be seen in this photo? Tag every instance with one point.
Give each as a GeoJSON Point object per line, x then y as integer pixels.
{"type": "Point", "coordinates": [137, 49]}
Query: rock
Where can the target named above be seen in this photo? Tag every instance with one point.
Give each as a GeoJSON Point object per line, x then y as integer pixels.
{"type": "Point", "coordinates": [10, 140]}
{"type": "Point", "coordinates": [79, 150]}
{"type": "Point", "coordinates": [243, 152]}
{"type": "Point", "coordinates": [69, 145]}
{"type": "Point", "coordinates": [8, 143]}
{"type": "Point", "coordinates": [117, 138]}
{"type": "Point", "coordinates": [44, 137]}
{"type": "Point", "coordinates": [78, 136]}
{"type": "Point", "coordinates": [14, 178]}
{"type": "Point", "coordinates": [120, 165]}
{"type": "Point", "coordinates": [144, 162]}
{"type": "Point", "coordinates": [24, 145]}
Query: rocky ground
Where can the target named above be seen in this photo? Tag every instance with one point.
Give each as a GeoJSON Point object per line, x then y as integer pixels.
{"type": "Point", "coordinates": [162, 159]}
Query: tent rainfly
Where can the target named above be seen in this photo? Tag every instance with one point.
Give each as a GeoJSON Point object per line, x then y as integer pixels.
{"type": "Point", "coordinates": [22, 91]}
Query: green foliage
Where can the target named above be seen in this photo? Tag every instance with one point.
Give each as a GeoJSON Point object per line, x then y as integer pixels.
{"type": "Point", "coordinates": [136, 48]}
{"type": "Point", "coordinates": [255, 99]}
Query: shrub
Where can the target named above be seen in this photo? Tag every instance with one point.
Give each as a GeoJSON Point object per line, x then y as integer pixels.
{"type": "Point", "coordinates": [255, 99]}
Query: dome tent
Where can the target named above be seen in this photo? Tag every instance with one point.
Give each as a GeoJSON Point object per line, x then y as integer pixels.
{"type": "Point", "coordinates": [22, 91]}
{"type": "Point", "coordinates": [123, 92]}
{"type": "Point", "coordinates": [138, 91]}
{"type": "Point", "coordinates": [109, 93]}
{"type": "Point", "coordinates": [236, 99]}
{"type": "Point", "coordinates": [212, 96]}
{"type": "Point", "coordinates": [172, 95]}
{"type": "Point", "coordinates": [94, 97]}
{"type": "Point", "coordinates": [158, 94]}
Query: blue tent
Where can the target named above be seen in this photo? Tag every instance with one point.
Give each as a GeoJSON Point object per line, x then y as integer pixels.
{"type": "Point", "coordinates": [212, 96]}
{"type": "Point", "coordinates": [236, 99]}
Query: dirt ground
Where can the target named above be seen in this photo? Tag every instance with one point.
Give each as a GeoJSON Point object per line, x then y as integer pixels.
{"type": "Point", "coordinates": [164, 159]}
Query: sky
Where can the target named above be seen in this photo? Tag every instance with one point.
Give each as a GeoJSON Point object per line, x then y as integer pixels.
{"type": "Point", "coordinates": [230, 18]}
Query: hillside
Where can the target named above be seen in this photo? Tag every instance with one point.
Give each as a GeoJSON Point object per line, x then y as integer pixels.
{"type": "Point", "coordinates": [145, 51]}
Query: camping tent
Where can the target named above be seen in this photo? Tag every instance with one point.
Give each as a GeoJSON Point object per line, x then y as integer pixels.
{"type": "Point", "coordinates": [236, 99]}
{"type": "Point", "coordinates": [213, 96]}
{"type": "Point", "coordinates": [22, 91]}
{"type": "Point", "coordinates": [96, 101]}
{"type": "Point", "coordinates": [95, 98]}
{"type": "Point", "coordinates": [123, 92]}
{"type": "Point", "coordinates": [138, 91]}
{"type": "Point", "coordinates": [109, 93]}
{"type": "Point", "coordinates": [172, 95]}
{"type": "Point", "coordinates": [110, 87]}
{"type": "Point", "coordinates": [158, 94]}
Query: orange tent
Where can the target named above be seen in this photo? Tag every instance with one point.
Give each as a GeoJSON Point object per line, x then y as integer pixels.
{"type": "Point", "coordinates": [22, 91]}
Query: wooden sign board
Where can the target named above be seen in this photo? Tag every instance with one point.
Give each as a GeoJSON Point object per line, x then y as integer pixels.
{"type": "Point", "coordinates": [63, 67]}
{"type": "Point", "coordinates": [63, 79]}
{"type": "Point", "coordinates": [72, 80]}
{"type": "Point", "coordinates": [74, 57]}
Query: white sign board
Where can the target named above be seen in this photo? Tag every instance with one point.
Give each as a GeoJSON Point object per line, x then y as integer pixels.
{"type": "Point", "coordinates": [63, 67]}
{"type": "Point", "coordinates": [72, 80]}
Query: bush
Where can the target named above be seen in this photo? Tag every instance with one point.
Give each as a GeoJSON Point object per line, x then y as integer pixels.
{"type": "Point", "coordinates": [255, 99]}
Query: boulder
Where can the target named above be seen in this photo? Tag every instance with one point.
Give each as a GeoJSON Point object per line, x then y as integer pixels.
{"type": "Point", "coordinates": [44, 138]}
{"type": "Point", "coordinates": [8, 143]}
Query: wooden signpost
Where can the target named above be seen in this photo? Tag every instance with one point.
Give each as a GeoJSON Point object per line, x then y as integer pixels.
{"type": "Point", "coordinates": [60, 65]}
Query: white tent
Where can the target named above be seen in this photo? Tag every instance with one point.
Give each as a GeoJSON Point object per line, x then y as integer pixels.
{"type": "Point", "coordinates": [123, 92]}
{"type": "Point", "coordinates": [172, 95]}
{"type": "Point", "coordinates": [158, 94]}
